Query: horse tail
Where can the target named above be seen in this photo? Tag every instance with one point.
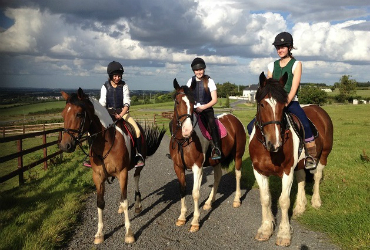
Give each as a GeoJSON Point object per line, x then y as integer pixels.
{"type": "Point", "coordinates": [153, 138]}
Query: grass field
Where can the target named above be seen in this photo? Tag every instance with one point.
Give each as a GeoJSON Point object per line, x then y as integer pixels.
{"type": "Point", "coordinates": [38, 216]}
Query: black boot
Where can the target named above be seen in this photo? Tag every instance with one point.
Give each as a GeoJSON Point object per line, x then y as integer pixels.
{"type": "Point", "coordinates": [140, 162]}
{"type": "Point", "coordinates": [216, 152]}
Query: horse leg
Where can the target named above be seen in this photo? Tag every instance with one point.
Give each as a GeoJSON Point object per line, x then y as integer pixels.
{"type": "Point", "coordinates": [267, 226]}
{"type": "Point", "coordinates": [180, 172]}
{"type": "Point", "coordinates": [197, 175]}
{"type": "Point", "coordinates": [301, 202]}
{"type": "Point", "coordinates": [217, 173]}
{"type": "Point", "coordinates": [123, 178]}
{"type": "Point", "coordinates": [284, 235]}
{"type": "Point", "coordinates": [138, 206]}
{"type": "Point", "coordinates": [100, 188]}
{"type": "Point", "coordinates": [238, 176]}
{"type": "Point", "coordinates": [316, 200]}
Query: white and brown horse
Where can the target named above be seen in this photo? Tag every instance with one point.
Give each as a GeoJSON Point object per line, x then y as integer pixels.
{"type": "Point", "coordinates": [112, 151]}
{"type": "Point", "coordinates": [275, 149]}
{"type": "Point", "coordinates": [189, 149]}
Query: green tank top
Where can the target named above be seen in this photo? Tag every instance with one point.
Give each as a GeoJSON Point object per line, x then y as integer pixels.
{"type": "Point", "coordinates": [279, 72]}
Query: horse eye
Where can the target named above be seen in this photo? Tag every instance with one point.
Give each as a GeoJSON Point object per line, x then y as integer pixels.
{"type": "Point", "coordinates": [79, 115]}
{"type": "Point", "coordinates": [262, 105]}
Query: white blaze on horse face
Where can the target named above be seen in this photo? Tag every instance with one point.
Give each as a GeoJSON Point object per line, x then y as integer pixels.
{"type": "Point", "coordinates": [273, 103]}
{"type": "Point", "coordinates": [69, 109]}
{"type": "Point", "coordinates": [187, 125]}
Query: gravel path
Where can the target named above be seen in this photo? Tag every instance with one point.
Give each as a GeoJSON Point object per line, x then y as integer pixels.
{"type": "Point", "coordinates": [223, 227]}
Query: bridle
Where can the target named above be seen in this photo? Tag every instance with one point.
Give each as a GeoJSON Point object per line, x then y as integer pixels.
{"type": "Point", "coordinates": [261, 125]}
{"type": "Point", "coordinates": [80, 131]}
{"type": "Point", "coordinates": [179, 121]}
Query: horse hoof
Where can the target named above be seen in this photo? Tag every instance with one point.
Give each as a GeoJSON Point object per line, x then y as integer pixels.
{"type": "Point", "coordinates": [98, 240]}
{"type": "Point", "coordinates": [129, 239]}
{"type": "Point", "coordinates": [138, 210]}
{"type": "Point", "coordinates": [236, 204]}
{"type": "Point", "coordinates": [261, 237]}
{"type": "Point", "coordinates": [180, 223]}
{"type": "Point", "coordinates": [207, 207]}
{"type": "Point", "coordinates": [120, 210]}
{"type": "Point", "coordinates": [194, 228]}
{"type": "Point", "coordinates": [282, 242]}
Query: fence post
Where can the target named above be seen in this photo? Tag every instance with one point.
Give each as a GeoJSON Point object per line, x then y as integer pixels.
{"type": "Point", "coordinates": [59, 140]}
{"type": "Point", "coordinates": [45, 149]}
{"type": "Point", "coordinates": [20, 162]}
{"type": "Point", "coordinates": [3, 132]}
{"type": "Point", "coordinates": [154, 121]}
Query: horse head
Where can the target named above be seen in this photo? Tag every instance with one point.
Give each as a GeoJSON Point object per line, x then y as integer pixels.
{"type": "Point", "coordinates": [183, 110]}
{"type": "Point", "coordinates": [77, 119]}
{"type": "Point", "coordinates": [271, 99]}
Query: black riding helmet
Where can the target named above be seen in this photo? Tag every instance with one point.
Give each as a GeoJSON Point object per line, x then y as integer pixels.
{"type": "Point", "coordinates": [115, 68]}
{"type": "Point", "coordinates": [198, 63]}
{"type": "Point", "coordinates": [283, 38]}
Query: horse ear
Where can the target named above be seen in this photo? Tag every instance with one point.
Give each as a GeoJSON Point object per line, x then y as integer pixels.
{"type": "Point", "coordinates": [283, 79]}
{"type": "Point", "coordinates": [80, 93]}
{"type": "Point", "coordinates": [262, 81]}
{"type": "Point", "coordinates": [65, 95]}
{"type": "Point", "coordinates": [176, 84]}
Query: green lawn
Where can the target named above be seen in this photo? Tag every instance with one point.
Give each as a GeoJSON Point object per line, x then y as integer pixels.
{"type": "Point", "coordinates": [41, 214]}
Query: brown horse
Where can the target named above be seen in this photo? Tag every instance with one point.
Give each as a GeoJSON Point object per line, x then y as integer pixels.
{"type": "Point", "coordinates": [111, 153]}
{"type": "Point", "coordinates": [275, 149]}
{"type": "Point", "coordinates": [189, 149]}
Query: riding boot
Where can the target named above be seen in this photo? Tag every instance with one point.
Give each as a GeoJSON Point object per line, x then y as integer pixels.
{"type": "Point", "coordinates": [311, 156]}
{"type": "Point", "coordinates": [216, 152]}
{"type": "Point", "coordinates": [140, 162]}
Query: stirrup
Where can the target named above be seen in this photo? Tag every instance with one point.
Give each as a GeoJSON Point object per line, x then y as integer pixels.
{"type": "Point", "coordinates": [311, 164]}
{"type": "Point", "coordinates": [139, 160]}
{"type": "Point", "coordinates": [216, 154]}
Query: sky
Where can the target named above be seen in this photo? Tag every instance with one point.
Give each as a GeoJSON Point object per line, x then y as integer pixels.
{"type": "Point", "coordinates": [68, 44]}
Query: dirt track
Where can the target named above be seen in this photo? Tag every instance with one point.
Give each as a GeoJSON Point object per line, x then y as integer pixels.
{"type": "Point", "coordinates": [224, 227]}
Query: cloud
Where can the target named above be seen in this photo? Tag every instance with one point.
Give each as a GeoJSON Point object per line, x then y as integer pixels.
{"type": "Point", "coordinates": [159, 39]}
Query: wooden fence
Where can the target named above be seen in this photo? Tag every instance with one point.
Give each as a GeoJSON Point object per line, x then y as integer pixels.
{"type": "Point", "coordinates": [21, 152]}
{"type": "Point", "coordinates": [22, 132]}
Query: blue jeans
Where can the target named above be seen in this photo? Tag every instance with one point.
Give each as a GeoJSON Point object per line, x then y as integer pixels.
{"type": "Point", "coordinates": [296, 109]}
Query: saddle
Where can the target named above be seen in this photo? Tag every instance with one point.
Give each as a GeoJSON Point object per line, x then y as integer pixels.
{"type": "Point", "coordinates": [298, 128]}
{"type": "Point", "coordinates": [221, 128]}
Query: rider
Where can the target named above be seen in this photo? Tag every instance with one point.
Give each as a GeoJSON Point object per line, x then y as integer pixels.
{"type": "Point", "coordinates": [115, 96]}
{"type": "Point", "coordinates": [205, 94]}
{"type": "Point", "coordinates": [287, 63]}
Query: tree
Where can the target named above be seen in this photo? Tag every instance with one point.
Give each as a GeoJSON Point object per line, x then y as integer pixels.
{"type": "Point", "coordinates": [347, 87]}
{"type": "Point", "coordinates": [312, 95]}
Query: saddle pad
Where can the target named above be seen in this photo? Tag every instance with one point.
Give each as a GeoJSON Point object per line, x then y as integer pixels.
{"type": "Point", "coordinates": [221, 129]}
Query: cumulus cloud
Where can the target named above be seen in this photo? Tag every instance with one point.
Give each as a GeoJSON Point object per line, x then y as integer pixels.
{"type": "Point", "coordinates": [159, 39]}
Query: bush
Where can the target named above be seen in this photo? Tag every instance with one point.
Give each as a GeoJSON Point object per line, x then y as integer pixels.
{"type": "Point", "coordinates": [312, 95]}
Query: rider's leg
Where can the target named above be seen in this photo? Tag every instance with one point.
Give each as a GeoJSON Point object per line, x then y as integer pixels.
{"type": "Point", "coordinates": [250, 126]}
{"type": "Point", "coordinates": [213, 129]}
{"type": "Point", "coordinates": [140, 161]}
{"type": "Point", "coordinates": [310, 145]}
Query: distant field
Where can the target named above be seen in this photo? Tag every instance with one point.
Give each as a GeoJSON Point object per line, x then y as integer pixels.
{"type": "Point", "coordinates": [362, 93]}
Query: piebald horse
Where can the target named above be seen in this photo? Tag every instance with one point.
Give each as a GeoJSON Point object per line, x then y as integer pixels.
{"type": "Point", "coordinates": [276, 149]}
{"type": "Point", "coordinates": [189, 149]}
{"type": "Point", "coordinates": [112, 151]}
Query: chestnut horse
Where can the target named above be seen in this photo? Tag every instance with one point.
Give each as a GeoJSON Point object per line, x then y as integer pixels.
{"type": "Point", "coordinates": [275, 149]}
{"type": "Point", "coordinates": [189, 149]}
{"type": "Point", "coordinates": [111, 153]}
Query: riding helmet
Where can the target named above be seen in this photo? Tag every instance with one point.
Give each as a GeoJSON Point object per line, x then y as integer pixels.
{"type": "Point", "coordinates": [283, 38]}
{"type": "Point", "coordinates": [115, 68]}
{"type": "Point", "coordinates": [198, 63]}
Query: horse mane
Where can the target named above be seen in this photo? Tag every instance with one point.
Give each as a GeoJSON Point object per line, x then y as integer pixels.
{"type": "Point", "coordinates": [188, 93]}
{"type": "Point", "coordinates": [100, 111]}
{"type": "Point", "coordinates": [274, 89]}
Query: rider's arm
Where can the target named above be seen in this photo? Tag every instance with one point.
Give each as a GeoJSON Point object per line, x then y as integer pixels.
{"type": "Point", "coordinates": [103, 96]}
{"type": "Point", "coordinates": [297, 73]}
